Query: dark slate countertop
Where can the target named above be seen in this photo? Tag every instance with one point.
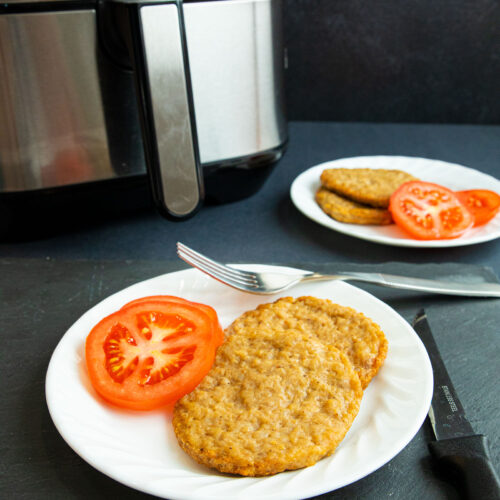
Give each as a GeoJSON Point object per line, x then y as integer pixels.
{"type": "Point", "coordinates": [38, 277]}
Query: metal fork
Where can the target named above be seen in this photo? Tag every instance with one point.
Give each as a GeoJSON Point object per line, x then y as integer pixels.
{"type": "Point", "coordinates": [274, 282]}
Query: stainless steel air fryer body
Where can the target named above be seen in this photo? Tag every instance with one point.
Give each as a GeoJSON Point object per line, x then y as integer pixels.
{"type": "Point", "coordinates": [70, 112]}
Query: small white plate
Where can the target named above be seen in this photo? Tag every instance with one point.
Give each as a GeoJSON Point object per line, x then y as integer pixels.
{"type": "Point", "coordinates": [140, 449]}
{"type": "Point", "coordinates": [450, 175]}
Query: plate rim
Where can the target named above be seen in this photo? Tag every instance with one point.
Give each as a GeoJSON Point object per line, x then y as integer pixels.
{"type": "Point", "coordinates": [312, 491]}
{"type": "Point", "coordinates": [349, 229]}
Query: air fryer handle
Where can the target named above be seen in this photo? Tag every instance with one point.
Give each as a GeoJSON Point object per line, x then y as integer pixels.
{"type": "Point", "coordinates": [159, 55]}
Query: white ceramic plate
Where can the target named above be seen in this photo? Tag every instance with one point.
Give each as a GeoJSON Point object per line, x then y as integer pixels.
{"type": "Point", "coordinates": [453, 176]}
{"type": "Point", "coordinates": [140, 450]}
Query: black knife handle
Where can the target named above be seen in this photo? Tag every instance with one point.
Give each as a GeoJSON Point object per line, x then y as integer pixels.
{"type": "Point", "coordinates": [470, 457]}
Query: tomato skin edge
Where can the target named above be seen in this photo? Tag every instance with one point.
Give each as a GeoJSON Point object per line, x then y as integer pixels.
{"type": "Point", "coordinates": [406, 223]}
{"type": "Point", "coordinates": [180, 384]}
{"type": "Point", "coordinates": [149, 404]}
{"type": "Point", "coordinates": [219, 331]}
{"type": "Point", "coordinates": [483, 214]}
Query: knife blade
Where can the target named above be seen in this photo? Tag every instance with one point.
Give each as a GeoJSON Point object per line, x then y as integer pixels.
{"type": "Point", "coordinates": [457, 446]}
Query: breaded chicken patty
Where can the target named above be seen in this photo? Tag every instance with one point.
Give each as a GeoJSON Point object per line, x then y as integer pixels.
{"type": "Point", "coordinates": [357, 336]}
{"type": "Point", "coordinates": [351, 212]}
{"type": "Point", "coordinates": [365, 185]}
{"type": "Point", "coordinates": [275, 400]}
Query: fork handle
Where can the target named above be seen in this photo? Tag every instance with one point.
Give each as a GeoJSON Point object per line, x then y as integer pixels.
{"type": "Point", "coordinates": [416, 284]}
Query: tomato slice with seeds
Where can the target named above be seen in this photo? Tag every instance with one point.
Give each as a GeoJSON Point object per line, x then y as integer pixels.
{"type": "Point", "coordinates": [483, 204]}
{"type": "Point", "coordinates": [210, 311]}
{"type": "Point", "coordinates": [428, 211]}
{"type": "Point", "coordinates": [149, 354]}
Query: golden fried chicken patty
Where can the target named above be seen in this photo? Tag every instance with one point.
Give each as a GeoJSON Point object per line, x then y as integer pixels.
{"type": "Point", "coordinates": [356, 335]}
{"type": "Point", "coordinates": [351, 212]}
{"type": "Point", "coordinates": [365, 185]}
{"type": "Point", "coordinates": [274, 400]}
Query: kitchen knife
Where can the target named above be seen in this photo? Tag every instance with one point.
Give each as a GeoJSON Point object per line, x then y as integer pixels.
{"type": "Point", "coordinates": [456, 445]}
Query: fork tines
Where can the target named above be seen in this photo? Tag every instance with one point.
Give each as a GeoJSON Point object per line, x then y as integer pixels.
{"type": "Point", "coordinates": [234, 277]}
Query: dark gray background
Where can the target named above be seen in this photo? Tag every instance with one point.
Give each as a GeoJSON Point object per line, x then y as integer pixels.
{"type": "Point", "coordinates": [348, 60]}
{"type": "Point", "coordinates": [393, 60]}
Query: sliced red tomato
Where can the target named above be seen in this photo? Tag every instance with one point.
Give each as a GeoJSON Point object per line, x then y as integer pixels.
{"type": "Point", "coordinates": [149, 354]}
{"type": "Point", "coordinates": [428, 211]}
{"type": "Point", "coordinates": [483, 204]}
{"type": "Point", "coordinates": [210, 311]}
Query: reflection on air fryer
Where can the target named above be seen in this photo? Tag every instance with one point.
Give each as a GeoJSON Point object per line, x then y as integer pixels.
{"type": "Point", "coordinates": [69, 109]}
